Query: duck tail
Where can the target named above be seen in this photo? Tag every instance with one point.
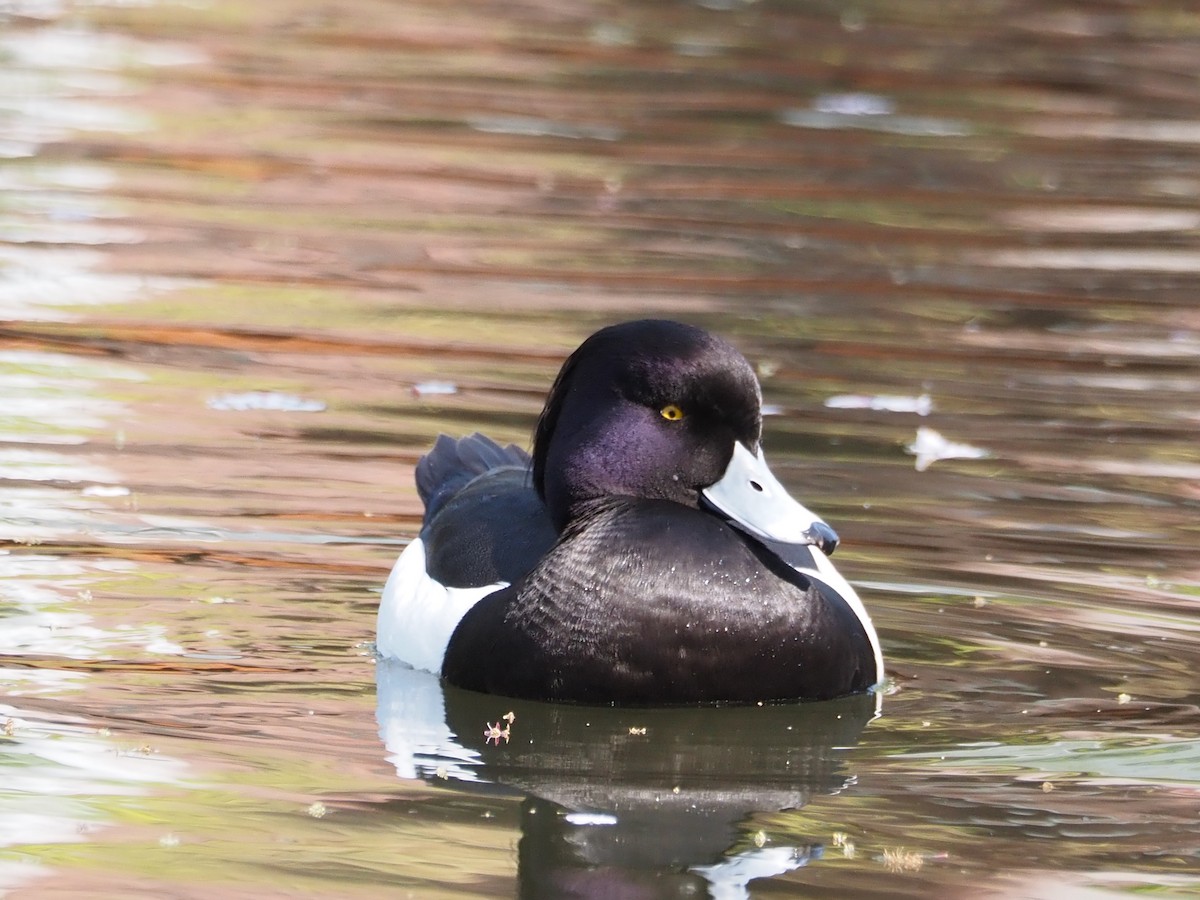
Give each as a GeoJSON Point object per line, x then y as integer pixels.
{"type": "Point", "coordinates": [453, 464]}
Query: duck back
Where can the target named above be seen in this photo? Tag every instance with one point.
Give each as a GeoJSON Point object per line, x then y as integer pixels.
{"type": "Point", "coordinates": [484, 523]}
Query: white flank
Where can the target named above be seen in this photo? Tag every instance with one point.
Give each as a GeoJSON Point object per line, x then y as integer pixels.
{"type": "Point", "coordinates": [417, 614]}
{"type": "Point", "coordinates": [826, 574]}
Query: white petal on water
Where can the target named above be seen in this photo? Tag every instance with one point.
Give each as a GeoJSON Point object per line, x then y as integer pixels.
{"type": "Point", "coordinates": [855, 103]}
{"type": "Point", "coordinates": [930, 446]}
{"type": "Point", "coordinates": [922, 405]}
{"type": "Point", "coordinates": [432, 388]}
{"type": "Point", "coordinates": [264, 400]}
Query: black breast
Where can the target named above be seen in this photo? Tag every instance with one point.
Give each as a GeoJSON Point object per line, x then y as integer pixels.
{"type": "Point", "coordinates": [650, 602]}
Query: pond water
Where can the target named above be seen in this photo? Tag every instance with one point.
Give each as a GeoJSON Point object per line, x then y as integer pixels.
{"type": "Point", "coordinates": [255, 257]}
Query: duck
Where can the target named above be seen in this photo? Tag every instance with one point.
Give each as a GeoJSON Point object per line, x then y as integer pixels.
{"type": "Point", "coordinates": [643, 554]}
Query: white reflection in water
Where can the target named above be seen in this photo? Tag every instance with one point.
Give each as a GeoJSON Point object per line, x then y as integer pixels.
{"type": "Point", "coordinates": [1100, 259]}
{"type": "Point", "coordinates": [39, 121]}
{"type": "Point", "coordinates": [28, 401]}
{"type": "Point", "coordinates": [88, 762]}
{"type": "Point", "coordinates": [1100, 219]}
{"type": "Point", "coordinates": [32, 682]}
{"type": "Point", "coordinates": [412, 724]}
{"type": "Point", "coordinates": [50, 398]}
{"type": "Point", "coordinates": [36, 283]}
{"type": "Point", "coordinates": [77, 48]}
{"type": "Point", "coordinates": [72, 176]}
{"type": "Point", "coordinates": [79, 233]}
{"type": "Point", "coordinates": [44, 499]}
{"type": "Point", "coordinates": [68, 635]}
{"type": "Point", "coordinates": [40, 600]}
{"type": "Point", "coordinates": [57, 778]}
{"type": "Point", "coordinates": [30, 515]}
{"type": "Point", "coordinates": [55, 192]}
{"type": "Point", "coordinates": [20, 464]}
{"type": "Point", "coordinates": [730, 878]}
{"type": "Point", "coordinates": [66, 371]}
{"type": "Point", "coordinates": [869, 112]}
{"type": "Point", "coordinates": [55, 774]}
{"type": "Point", "coordinates": [855, 103]}
{"type": "Point", "coordinates": [56, 771]}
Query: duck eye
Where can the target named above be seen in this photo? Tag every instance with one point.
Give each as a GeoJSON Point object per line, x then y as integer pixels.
{"type": "Point", "coordinates": [671, 412]}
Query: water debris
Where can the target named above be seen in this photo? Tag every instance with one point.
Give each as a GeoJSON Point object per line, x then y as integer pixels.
{"type": "Point", "coordinates": [105, 490]}
{"type": "Point", "coordinates": [842, 841]}
{"type": "Point", "coordinates": [531, 126]}
{"type": "Point", "coordinates": [608, 35]}
{"type": "Point", "coordinates": [897, 859]}
{"type": "Point", "coordinates": [1123, 697]}
{"type": "Point", "coordinates": [922, 405]}
{"type": "Point", "coordinates": [434, 388]}
{"type": "Point", "coordinates": [930, 446]}
{"type": "Point", "coordinates": [869, 112]}
{"type": "Point", "coordinates": [855, 103]}
{"type": "Point", "coordinates": [1047, 786]}
{"type": "Point", "coordinates": [635, 729]}
{"type": "Point", "coordinates": [495, 733]}
{"type": "Point", "coordinates": [266, 400]}
{"type": "Point", "coordinates": [317, 810]}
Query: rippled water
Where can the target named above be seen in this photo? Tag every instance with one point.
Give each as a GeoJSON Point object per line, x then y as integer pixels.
{"type": "Point", "coordinates": [253, 258]}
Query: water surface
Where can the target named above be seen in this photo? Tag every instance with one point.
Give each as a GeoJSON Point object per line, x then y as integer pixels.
{"type": "Point", "coordinates": [253, 258]}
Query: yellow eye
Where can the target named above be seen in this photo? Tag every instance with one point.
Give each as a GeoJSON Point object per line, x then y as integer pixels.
{"type": "Point", "coordinates": [671, 412]}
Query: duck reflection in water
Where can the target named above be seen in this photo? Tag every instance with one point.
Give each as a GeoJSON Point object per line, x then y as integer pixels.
{"type": "Point", "coordinates": [627, 802]}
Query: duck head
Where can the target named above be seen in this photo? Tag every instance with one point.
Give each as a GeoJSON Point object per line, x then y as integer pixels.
{"type": "Point", "coordinates": [660, 410]}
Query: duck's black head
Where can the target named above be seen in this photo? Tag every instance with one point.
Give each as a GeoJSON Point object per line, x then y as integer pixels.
{"type": "Point", "coordinates": [659, 410]}
{"type": "Point", "coordinates": [649, 409]}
